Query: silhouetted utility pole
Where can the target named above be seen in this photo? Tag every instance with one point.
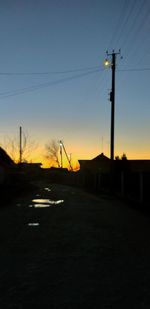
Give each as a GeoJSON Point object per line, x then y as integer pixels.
{"type": "Point", "coordinates": [60, 144]}
{"type": "Point", "coordinates": [62, 147]}
{"type": "Point", "coordinates": [20, 144]}
{"type": "Point", "coordinates": [112, 99]}
{"type": "Point", "coordinates": [69, 160]}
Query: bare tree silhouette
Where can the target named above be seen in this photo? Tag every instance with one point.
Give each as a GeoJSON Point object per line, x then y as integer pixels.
{"type": "Point", "coordinates": [11, 145]}
{"type": "Point", "coordinates": [52, 152]}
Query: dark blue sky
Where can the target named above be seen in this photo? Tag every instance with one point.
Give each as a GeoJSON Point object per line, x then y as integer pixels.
{"type": "Point", "coordinates": [62, 45]}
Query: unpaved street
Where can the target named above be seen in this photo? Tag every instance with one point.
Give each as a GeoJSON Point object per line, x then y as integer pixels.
{"type": "Point", "coordinates": [79, 250]}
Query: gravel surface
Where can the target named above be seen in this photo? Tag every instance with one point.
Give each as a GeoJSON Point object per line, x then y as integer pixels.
{"type": "Point", "coordinates": [81, 251]}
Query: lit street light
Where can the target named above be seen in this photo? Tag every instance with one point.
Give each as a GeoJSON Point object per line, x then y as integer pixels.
{"type": "Point", "coordinates": [107, 63]}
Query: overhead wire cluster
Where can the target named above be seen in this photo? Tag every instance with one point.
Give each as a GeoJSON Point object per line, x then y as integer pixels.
{"type": "Point", "coordinates": [61, 80]}
{"type": "Point", "coordinates": [131, 24]}
{"type": "Point", "coordinates": [131, 31]}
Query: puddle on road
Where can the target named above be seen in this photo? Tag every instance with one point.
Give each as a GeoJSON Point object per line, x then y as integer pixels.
{"type": "Point", "coordinates": [57, 202]}
{"type": "Point", "coordinates": [47, 189]}
{"type": "Point", "coordinates": [41, 203]}
{"type": "Point", "coordinates": [41, 200]}
{"type": "Point", "coordinates": [34, 224]}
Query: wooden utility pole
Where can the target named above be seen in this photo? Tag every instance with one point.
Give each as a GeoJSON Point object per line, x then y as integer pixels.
{"type": "Point", "coordinates": [112, 99]}
{"type": "Point", "coordinates": [113, 105]}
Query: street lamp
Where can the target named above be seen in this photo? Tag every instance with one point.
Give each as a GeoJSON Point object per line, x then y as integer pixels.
{"type": "Point", "coordinates": [107, 63]}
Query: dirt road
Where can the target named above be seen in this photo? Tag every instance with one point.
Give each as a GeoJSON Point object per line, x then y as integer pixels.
{"type": "Point", "coordinates": [78, 250]}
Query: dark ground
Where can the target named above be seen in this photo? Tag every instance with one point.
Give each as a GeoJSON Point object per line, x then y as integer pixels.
{"type": "Point", "coordinates": [88, 251]}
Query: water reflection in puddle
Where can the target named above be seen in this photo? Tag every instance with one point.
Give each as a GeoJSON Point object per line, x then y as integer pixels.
{"type": "Point", "coordinates": [41, 203]}
{"type": "Point", "coordinates": [34, 224]}
{"type": "Point", "coordinates": [41, 200]}
{"type": "Point", "coordinates": [47, 189]}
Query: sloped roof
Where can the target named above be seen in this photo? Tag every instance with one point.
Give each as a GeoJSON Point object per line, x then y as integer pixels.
{"type": "Point", "coordinates": [5, 158]}
{"type": "Point", "coordinates": [100, 157]}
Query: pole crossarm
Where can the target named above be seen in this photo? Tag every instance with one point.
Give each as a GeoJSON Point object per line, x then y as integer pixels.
{"type": "Point", "coordinates": [113, 52]}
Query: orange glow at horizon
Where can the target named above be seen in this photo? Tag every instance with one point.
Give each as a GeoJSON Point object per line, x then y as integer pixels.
{"type": "Point", "coordinates": [39, 156]}
{"type": "Point", "coordinates": [84, 153]}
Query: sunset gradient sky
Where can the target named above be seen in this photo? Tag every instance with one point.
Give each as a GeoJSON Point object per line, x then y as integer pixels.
{"type": "Point", "coordinates": [53, 82]}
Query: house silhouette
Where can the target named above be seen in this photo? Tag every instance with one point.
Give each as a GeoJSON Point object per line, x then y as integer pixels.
{"type": "Point", "coordinates": [5, 159]}
{"type": "Point", "coordinates": [6, 166]}
{"type": "Point", "coordinates": [100, 162]}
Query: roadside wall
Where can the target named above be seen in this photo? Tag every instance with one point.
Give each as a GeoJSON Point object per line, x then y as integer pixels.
{"type": "Point", "coordinates": [129, 185]}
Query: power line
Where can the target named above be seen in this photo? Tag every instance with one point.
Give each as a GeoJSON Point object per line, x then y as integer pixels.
{"type": "Point", "coordinates": [132, 26]}
{"type": "Point", "coordinates": [140, 27]}
{"type": "Point", "coordinates": [62, 80]}
{"type": "Point", "coordinates": [117, 26]}
{"type": "Point", "coordinates": [44, 85]}
{"type": "Point", "coordinates": [125, 22]}
{"type": "Point", "coordinates": [69, 71]}
{"type": "Point", "coordinates": [50, 72]}
{"type": "Point", "coordinates": [133, 70]}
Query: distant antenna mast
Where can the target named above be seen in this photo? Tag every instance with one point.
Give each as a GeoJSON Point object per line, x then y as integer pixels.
{"type": "Point", "coordinates": [102, 144]}
{"type": "Point", "coordinates": [20, 144]}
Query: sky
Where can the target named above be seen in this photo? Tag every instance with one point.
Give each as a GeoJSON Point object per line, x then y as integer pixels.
{"type": "Point", "coordinates": [53, 81]}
